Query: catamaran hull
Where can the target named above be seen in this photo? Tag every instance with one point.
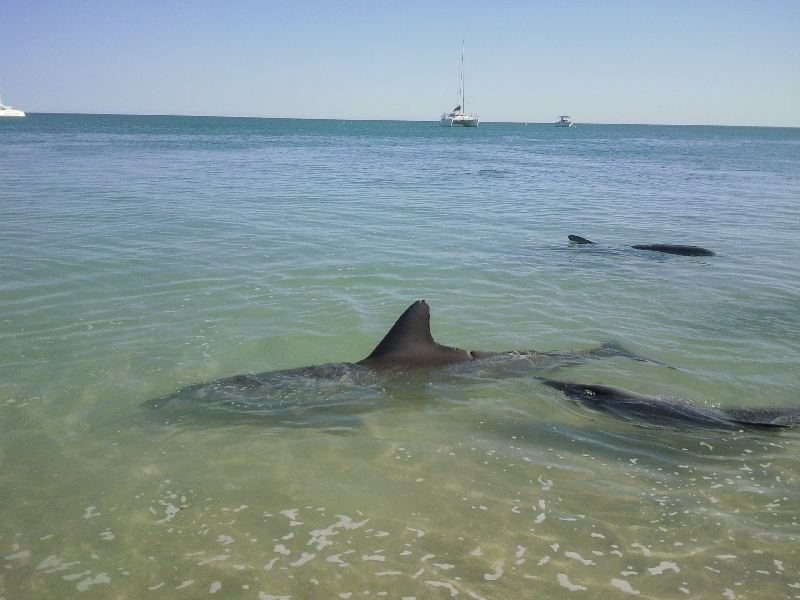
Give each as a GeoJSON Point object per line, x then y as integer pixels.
{"type": "Point", "coordinates": [459, 121]}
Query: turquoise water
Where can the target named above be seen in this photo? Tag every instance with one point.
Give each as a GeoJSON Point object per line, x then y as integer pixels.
{"type": "Point", "coordinates": [140, 255]}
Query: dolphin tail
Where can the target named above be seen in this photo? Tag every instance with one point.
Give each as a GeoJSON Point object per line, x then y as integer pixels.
{"type": "Point", "coordinates": [765, 417]}
{"type": "Point", "coordinates": [616, 349]}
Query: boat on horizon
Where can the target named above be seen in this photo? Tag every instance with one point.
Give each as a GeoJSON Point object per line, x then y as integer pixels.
{"type": "Point", "coordinates": [7, 111]}
{"type": "Point", "coordinates": [564, 121]}
{"type": "Point", "coordinates": [459, 116]}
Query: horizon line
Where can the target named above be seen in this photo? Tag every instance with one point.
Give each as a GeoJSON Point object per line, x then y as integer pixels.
{"type": "Point", "coordinates": [524, 123]}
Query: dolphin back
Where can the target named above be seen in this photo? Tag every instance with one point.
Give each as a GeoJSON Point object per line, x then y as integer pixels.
{"type": "Point", "coordinates": [676, 249]}
{"type": "Point", "coordinates": [658, 410]}
{"type": "Point", "coordinates": [333, 394]}
{"type": "Point", "coordinates": [679, 249]}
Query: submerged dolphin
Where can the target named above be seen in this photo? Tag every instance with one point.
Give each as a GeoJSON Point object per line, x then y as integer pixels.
{"type": "Point", "coordinates": [665, 248]}
{"type": "Point", "coordinates": [658, 410]}
{"type": "Point", "coordinates": [336, 388]}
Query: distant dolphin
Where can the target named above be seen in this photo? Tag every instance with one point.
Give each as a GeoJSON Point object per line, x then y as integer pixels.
{"type": "Point", "coordinates": [407, 348]}
{"type": "Point", "coordinates": [665, 248]}
{"type": "Point", "coordinates": [658, 410]}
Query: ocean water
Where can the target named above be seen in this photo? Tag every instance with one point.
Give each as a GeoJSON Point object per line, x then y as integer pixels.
{"type": "Point", "coordinates": [140, 255]}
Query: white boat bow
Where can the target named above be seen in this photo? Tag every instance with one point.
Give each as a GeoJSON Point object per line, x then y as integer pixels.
{"type": "Point", "coordinates": [7, 111]}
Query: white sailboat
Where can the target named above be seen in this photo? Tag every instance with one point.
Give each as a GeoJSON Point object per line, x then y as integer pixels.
{"type": "Point", "coordinates": [7, 111]}
{"type": "Point", "coordinates": [459, 116]}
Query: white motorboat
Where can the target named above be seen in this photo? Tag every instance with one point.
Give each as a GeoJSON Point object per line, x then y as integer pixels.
{"type": "Point", "coordinates": [564, 121]}
{"type": "Point", "coordinates": [7, 111]}
{"type": "Point", "coordinates": [459, 117]}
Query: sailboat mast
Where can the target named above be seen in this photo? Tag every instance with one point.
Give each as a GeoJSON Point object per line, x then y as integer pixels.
{"type": "Point", "coordinates": [463, 108]}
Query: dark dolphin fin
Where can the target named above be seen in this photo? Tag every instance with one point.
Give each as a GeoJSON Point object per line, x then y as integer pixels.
{"type": "Point", "coordinates": [665, 248]}
{"type": "Point", "coordinates": [656, 410]}
{"type": "Point", "coordinates": [576, 239]}
{"type": "Point", "coordinates": [676, 249]}
{"type": "Point", "coordinates": [410, 344]}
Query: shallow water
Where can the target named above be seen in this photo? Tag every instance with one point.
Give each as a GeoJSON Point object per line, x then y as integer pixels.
{"type": "Point", "coordinates": [141, 255]}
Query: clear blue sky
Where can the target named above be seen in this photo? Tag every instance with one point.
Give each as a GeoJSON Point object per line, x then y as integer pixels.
{"type": "Point", "coordinates": [669, 62]}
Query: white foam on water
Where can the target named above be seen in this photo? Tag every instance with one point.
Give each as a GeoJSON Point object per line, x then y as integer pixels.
{"type": "Point", "coordinates": [498, 571]}
{"type": "Point", "coordinates": [48, 562]}
{"type": "Point", "coordinates": [169, 512]}
{"type": "Point", "coordinates": [75, 576]}
{"type": "Point", "coordinates": [215, 587]}
{"type": "Point", "coordinates": [576, 556]}
{"type": "Point", "coordinates": [644, 549]}
{"type": "Point", "coordinates": [304, 558]}
{"type": "Point", "coordinates": [664, 566]}
{"type": "Point", "coordinates": [565, 582]}
{"type": "Point", "coordinates": [443, 584]}
{"type": "Point", "coordinates": [89, 512]}
{"type": "Point", "coordinates": [624, 586]}
{"type": "Point", "coordinates": [219, 557]}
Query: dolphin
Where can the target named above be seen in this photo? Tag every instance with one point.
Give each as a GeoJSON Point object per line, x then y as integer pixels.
{"type": "Point", "coordinates": [665, 248]}
{"type": "Point", "coordinates": [658, 410]}
{"type": "Point", "coordinates": [407, 354]}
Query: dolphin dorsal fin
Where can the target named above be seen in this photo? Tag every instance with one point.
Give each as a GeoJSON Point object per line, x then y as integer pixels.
{"type": "Point", "coordinates": [410, 344]}
{"type": "Point", "coordinates": [411, 331]}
